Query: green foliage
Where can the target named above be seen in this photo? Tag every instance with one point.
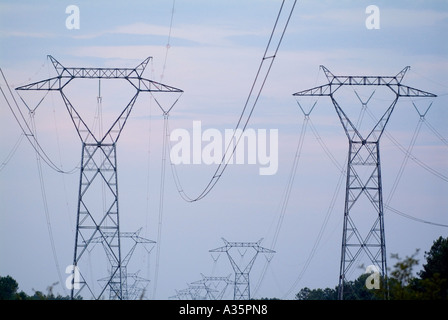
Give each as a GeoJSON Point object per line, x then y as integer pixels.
{"type": "Point", "coordinates": [357, 290]}
{"type": "Point", "coordinates": [401, 279]}
{"type": "Point", "coordinates": [353, 290]}
{"type": "Point", "coordinates": [317, 294]}
{"type": "Point", "coordinates": [9, 287]}
{"type": "Point", "coordinates": [436, 260]}
{"type": "Point", "coordinates": [432, 283]}
{"type": "Point", "coordinates": [434, 276]}
{"type": "Point", "coordinates": [403, 269]}
{"type": "Point", "coordinates": [402, 284]}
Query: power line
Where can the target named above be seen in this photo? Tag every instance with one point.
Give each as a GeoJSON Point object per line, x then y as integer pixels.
{"type": "Point", "coordinates": [286, 196]}
{"type": "Point", "coordinates": [161, 201]}
{"type": "Point", "coordinates": [12, 152]}
{"type": "Point", "coordinates": [258, 84]}
{"type": "Point", "coordinates": [168, 43]}
{"type": "Point", "coordinates": [444, 85]}
{"type": "Point", "coordinates": [408, 216]}
{"type": "Point", "coordinates": [28, 132]}
{"type": "Point", "coordinates": [434, 130]}
{"type": "Point", "coordinates": [404, 162]}
{"type": "Point", "coordinates": [411, 156]}
{"type": "Point", "coordinates": [320, 234]}
{"type": "Point", "coordinates": [46, 208]}
{"type": "Point", "coordinates": [164, 152]}
{"type": "Point", "coordinates": [408, 153]}
{"type": "Point", "coordinates": [332, 202]}
{"type": "Point", "coordinates": [290, 183]}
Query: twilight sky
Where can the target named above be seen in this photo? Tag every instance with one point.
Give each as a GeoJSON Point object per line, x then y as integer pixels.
{"type": "Point", "coordinates": [215, 48]}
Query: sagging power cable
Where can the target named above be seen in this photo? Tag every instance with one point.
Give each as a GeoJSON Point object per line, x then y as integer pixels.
{"type": "Point", "coordinates": [27, 131]}
{"type": "Point", "coordinates": [270, 53]}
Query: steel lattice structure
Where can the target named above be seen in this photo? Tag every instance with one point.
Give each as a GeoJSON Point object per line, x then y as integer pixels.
{"type": "Point", "coordinates": [364, 154]}
{"type": "Point", "coordinates": [99, 165]}
{"type": "Point", "coordinates": [208, 288]}
{"type": "Point", "coordinates": [242, 270]}
{"type": "Point", "coordinates": [129, 292]}
{"type": "Point", "coordinates": [212, 283]}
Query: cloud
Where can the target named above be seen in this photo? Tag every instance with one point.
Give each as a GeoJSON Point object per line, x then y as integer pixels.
{"type": "Point", "coordinates": [406, 18]}
{"type": "Point", "coordinates": [210, 61]}
{"type": "Point", "coordinates": [197, 34]}
{"type": "Point", "coordinates": [324, 17]}
{"type": "Point", "coordinates": [26, 34]}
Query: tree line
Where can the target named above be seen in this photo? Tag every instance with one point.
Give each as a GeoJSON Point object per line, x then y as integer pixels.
{"type": "Point", "coordinates": [9, 291]}
{"type": "Point", "coordinates": [430, 283]}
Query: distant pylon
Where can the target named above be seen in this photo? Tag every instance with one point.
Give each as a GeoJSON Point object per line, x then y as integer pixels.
{"type": "Point", "coordinates": [242, 270]}
{"type": "Point", "coordinates": [128, 291]}
{"type": "Point", "coordinates": [364, 181]}
{"type": "Point", "coordinates": [98, 169]}
{"type": "Point", "coordinates": [216, 286]}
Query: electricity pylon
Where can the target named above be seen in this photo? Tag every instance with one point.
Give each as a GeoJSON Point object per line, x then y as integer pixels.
{"type": "Point", "coordinates": [98, 167]}
{"type": "Point", "coordinates": [136, 290]}
{"type": "Point", "coordinates": [208, 288]}
{"type": "Point", "coordinates": [364, 181]}
{"type": "Point", "coordinates": [212, 283]}
{"type": "Point", "coordinates": [242, 269]}
{"type": "Point", "coordinates": [128, 292]}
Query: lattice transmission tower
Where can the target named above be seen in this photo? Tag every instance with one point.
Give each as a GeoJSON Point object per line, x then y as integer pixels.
{"type": "Point", "coordinates": [363, 225]}
{"type": "Point", "coordinates": [98, 171]}
{"type": "Point", "coordinates": [242, 267]}
{"type": "Point", "coordinates": [130, 291]}
{"type": "Point", "coordinates": [216, 286]}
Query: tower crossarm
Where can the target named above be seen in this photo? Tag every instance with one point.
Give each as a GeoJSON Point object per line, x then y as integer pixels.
{"type": "Point", "coordinates": [51, 84]}
{"type": "Point", "coordinates": [146, 85]}
{"type": "Point", "coordinates": [255, 245]}
{"type": "Point", "coordinates": [242, 268]}
{"type": "Point", "coordinates": [58, 83]}
{"type": "Point", "coordinates": [215, 278]}
{"type": "Point", "coordinates": [324, 90]}
{"type": "Point", "coordinates": [132, 235]}
{"type": "Point", "coordinates": [405, 91]}
{"type": "Point", "coordinates": [399, 89]}
{"type": "Point", "coordinates": [393, 82]}
{"type": "Point", "coordinates": [364, 80]}
{"type": "Point", "coordinates": [98, 73]}
{"type": "Point", "coordinates": [67, 74]}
